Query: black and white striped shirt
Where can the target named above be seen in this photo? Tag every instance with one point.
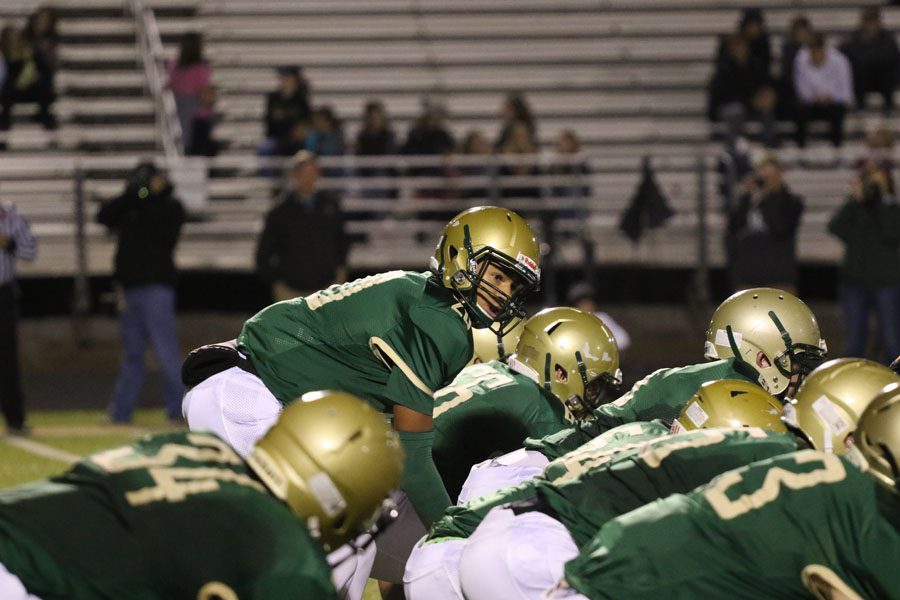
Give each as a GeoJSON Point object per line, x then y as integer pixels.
{"type": "Point", "coordinates": [14, 226]}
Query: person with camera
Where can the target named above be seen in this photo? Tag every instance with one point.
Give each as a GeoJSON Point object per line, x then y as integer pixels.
{"type": "Point", "coordinates": [868, 224]}
{"type": "Point", "coordinates": [147, 220]}
{"type": "Point", "coordinates": [762, 230]}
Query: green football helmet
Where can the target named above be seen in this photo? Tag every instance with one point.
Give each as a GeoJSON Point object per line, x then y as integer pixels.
{"type": "Point", "coordinates": [489, 346]}
{"type": "Point", "coordinates": [333, 460]}
{"type": "Point", "coordinates": [876, 442]}
{"type": "Point", "coordinates": [832, 398]}
{"type": "Point", "coordinates": [573, 355]}
{"type": "Point", "coordinates": [730, 403]}
{"type": "Point", "coordinates": [772, 332]}
{"type": "Point", "coordinates": [472, 241]}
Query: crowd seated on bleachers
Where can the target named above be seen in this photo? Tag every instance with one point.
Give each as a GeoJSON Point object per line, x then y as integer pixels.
{"type": "Point", "coordinates": [28, 63]}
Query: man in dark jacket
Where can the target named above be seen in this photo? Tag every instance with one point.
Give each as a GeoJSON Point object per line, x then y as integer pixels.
{"type": "Point", "coordinates": [762, 230]}
{"type": "Point", "coordinates": [869, 225]}
{"type": "Point", "coordinates": [874, 57]}
{"type": "Point", "coordinates": [741, 89]}
{"type": "Point", "coordinates": [303, 247]}
{"type": "Point", "coordinates": [147, 219]}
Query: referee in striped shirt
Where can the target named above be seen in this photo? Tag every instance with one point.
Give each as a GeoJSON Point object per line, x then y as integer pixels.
{"type": "Point", "coordinates": [16, 242]}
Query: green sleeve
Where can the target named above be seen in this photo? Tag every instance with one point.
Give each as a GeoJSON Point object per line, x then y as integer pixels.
{"type": "Point", "coordinates": [461, 521]}
{"type": "Point", "coordinates": [420, 480]}
{"type": "Point", "coordinates": [428, 350]}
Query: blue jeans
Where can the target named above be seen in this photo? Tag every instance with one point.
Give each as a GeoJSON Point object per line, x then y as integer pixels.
{"type": "Point", "coordinates": [858, 301]}
{"type": "Point", "coordinates": [149, 315]}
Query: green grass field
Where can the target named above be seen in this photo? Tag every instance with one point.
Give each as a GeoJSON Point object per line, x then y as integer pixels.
{"type": "Point", "coordinates": [61, 437]}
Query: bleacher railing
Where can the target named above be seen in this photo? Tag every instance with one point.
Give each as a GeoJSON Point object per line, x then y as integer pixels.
{"type": "Point", "coordinates": [151, 51]}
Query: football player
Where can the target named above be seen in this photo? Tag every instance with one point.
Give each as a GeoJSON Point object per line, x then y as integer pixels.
{"type": "Point", "coordinates": [590, 486]}
{"type": "Point", "coordinates": [763, 335]}
{"type": "Point", "coordinates": [181, 515]}
{"type": "Point", "coordinates": [803, 524]}
{"type": "Point", "coordinates": [755, 319]}
{"type": "Point", "coordinates": [392, 339]}
{"type": "Point", "coordinates": [489, 346]}
{"type": "Point", "coordinates": [565, 364]}
{"type": "Point", "coordinates": [837, 390]}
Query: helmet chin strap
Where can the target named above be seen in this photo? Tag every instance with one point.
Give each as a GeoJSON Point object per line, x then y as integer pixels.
{"type": "Point", "coordinates": [741, 365]}
{"type": "Point", "coordinates": [547, 380]}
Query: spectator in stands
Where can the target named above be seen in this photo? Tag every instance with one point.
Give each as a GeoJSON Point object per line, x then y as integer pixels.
{"type": "Point", "coordinates": [762, 230]}
{"type": "Point", "coordinates": [515, 109]}
{"type": "Point", "coordinates": [875, 59]}
{"type": "Point", "coordinates": [824, 85]}
{"type": "Point", "coordinates": [202, 142]}
{"type": "Point", "coordinates": [285, 108]}
{"type": "Point", "coordinates": [429, 137]}
{"type": "Point", "coordinates": [583, 296]}
{"type": "Point", "coordinates": [519, 159]}
{"type": "Point", "coordinates": [25, 79]}
{"type": "Point", "coordinates": [327, 135]}
{"type": "Point", "coordinates": [147, 220]}
{"type": "Point", "coordinates": [571, 167]}
{"type": "Point", "coordinates": [478, 163]}
{"type": "Point", "coordinates": [303, 246]}
{"type": "Point", "coordinates": [16, 243]}
{"type": "Point", "coordinates": [376, 138]}
{"type": "Point", "coordinates": [189, 75]}
{"type": "Point", "coordinates": [41, 33]}
{"type": "Point", "coordinates": [800, 34]}
{"type": "Point", "coordinates": [869, 226]}
{"type": "Point", "coordinates": [740, 89]}
{"type": "Point", "coordinates": [752, 28]}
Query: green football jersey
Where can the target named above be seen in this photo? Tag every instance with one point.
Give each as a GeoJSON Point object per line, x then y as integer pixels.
{"type": "Point", "coordinates": [391, 338]}
{"type": "Point", "coordinates": [461, 521]}
{"type": "Point", "coordinates": [660, 395]}
{"type": "Point", "coordinates": [589, 487]}
{"type": "Point", "coordinates": [176, 515]}
{"type": "Point", "coordinates": [489, 410]}
{"type": "Point", "coordinates": [777, 528]}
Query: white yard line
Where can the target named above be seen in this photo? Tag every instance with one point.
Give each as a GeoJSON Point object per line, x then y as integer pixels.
{"type": "Point", "coordinates": [41, 449]}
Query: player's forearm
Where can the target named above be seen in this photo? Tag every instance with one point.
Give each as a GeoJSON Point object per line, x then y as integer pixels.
{"type": "Point", "coordinates": [421, 481]}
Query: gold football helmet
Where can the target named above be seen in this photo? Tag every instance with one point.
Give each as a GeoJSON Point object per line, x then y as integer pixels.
{"type": "Point", "coordinates": [730, 403]}
{"type": "Point", "coordinates": [333, 460]}
{"type": "Point", "coordinates": [769, 330]}
{"type": "Point", "coordinates": [831, 400]}
{"type": "Point", "coordinates": [877, 437]}
{"type": "Point", "coordinates": [477, 238]}
{"type": "Point", "coordinates": [573, 355]}
{"type": "Point", "coordinates": [489, 346]}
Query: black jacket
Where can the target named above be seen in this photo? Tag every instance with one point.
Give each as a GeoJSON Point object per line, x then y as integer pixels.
{"type": "Point", "coordinates": [303, 243]}
{"type": "Point", "coordinates": [763, 248]}
{"type": "Point", "coordinates": [871, 234]}
{"type": "Point", "coordinates": [282, 113]}
{"type": "Point", "coordinates": [148, 230]}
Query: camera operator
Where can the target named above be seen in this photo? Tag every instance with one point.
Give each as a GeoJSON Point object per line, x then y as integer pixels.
{"type": "Point", "coordinates": [869, 225]}
{"type": "Point", "coordinates": [147, 220]}
{"type": "Point", "coordinates": [761, 241]}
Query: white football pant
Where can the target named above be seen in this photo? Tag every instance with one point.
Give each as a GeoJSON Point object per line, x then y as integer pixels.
{"type": "Point", "coordinates": [504, 471]}
{"type": "Point", "coordinates": [515, 557]}
{"type": "Point", "coordinates": [432, 571]}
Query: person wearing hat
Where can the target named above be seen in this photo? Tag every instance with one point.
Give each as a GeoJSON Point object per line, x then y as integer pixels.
{"type": "Point", "coordinates": [285, 107]}
{"type": "Point", "coordinates": [762, 229]}
{"type": "Point", "coordinates": [146, 218]}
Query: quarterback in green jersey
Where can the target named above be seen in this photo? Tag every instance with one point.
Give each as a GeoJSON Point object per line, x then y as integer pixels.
{"type": "Point", "coordinates": [391, 339]}
{"type": "Point", "coordinates": [804, 524]}
{"type": "Point", "coordinates": [763, 335]}
{"type": "Point", "coordinates": [564, 361]}
{"type": "Point", "coordinates": [181, 515]}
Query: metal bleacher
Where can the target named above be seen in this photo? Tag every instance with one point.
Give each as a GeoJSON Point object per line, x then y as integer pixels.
{"type": "Point", "coordinates": [628, 75]}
